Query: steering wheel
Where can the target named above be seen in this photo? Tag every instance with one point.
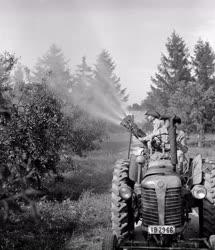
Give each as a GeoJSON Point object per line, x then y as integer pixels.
{"type": "Point", "coordinates": [156, 141]}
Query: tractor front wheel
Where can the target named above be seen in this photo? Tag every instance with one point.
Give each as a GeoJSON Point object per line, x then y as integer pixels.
{"type": "Point", "coordinates": [110, 242]}
{"type": "Point", "coordinates": [121, 210]}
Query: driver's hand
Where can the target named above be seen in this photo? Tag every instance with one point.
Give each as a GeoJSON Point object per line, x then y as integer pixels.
{"type": "Point", "coordinates": [143, 139]}
{"type": "Point", "coordinates": [180, 137]}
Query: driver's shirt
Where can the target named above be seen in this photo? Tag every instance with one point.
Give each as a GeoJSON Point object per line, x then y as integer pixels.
{"type": "Point", "coordinates": [157, 126]}
{"type": "Point", "coordinates": [180, 139]}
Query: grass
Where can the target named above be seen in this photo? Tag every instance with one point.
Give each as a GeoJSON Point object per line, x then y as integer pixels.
{"type": "Point", "coordinates": [208, 151]}
{"type": "Point", "coordinates": [76, 212]}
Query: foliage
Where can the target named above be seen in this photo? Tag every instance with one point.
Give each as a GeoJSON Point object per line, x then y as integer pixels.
{"type": "Point", "coordinates": [203, 64]}
{"type": "Point", "coordinates": [135, 107]}
{"type": "Point", "coordinates": [81, 133]}
{"type": "Point", "coordinates": [175, 90]}
{"type": "Point", "coordinates": [30, 144]}
{"type": "Point", "coordinates": [7, 61]}
{"type": "Point", "coordinates": [182, 104]}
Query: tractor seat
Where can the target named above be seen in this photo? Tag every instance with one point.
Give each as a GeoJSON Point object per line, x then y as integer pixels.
{"type": "Point", "coordinates": [160, 164]}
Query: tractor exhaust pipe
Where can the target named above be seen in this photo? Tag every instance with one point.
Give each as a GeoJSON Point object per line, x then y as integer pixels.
{"type": "Point", "coordinates": [172, 138]}
{"type": "Point", "coordinates": [130, 139]}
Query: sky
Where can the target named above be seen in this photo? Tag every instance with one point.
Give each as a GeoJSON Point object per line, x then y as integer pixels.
{"type": "Point", "coordinates": [133, 31]}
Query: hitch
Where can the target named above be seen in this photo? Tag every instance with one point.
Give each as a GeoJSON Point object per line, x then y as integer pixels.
{"type": "Point", "coordinates": [191, 244]}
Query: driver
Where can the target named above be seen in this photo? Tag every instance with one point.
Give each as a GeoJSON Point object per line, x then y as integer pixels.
{"type": "Point", "coordinates": [160, 128]}
{"type": "Point", "coordinates": [154, 118]}
{"type": "Point", "coordinates": [180, 140]}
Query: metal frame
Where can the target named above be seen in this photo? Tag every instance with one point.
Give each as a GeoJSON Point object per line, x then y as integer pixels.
{"type": "Point", "coordinates": [191, 244]}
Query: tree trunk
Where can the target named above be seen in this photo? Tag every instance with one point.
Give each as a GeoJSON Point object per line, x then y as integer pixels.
{"type": "Point", "coordinates": [201, 137]}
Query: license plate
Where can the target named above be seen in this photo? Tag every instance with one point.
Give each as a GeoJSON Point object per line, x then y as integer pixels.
{"type": "Point", "coordinates": [161, 229]}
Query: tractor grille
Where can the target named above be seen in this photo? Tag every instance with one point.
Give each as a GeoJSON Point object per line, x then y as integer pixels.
{"type": "Point", "coordinates": [150, 207]}
{"type": "Point", "coordinates": [173, 207]}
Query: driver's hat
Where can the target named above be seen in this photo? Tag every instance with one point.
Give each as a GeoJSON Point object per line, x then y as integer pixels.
{"type": "Point", "coordinates": [153, 113]}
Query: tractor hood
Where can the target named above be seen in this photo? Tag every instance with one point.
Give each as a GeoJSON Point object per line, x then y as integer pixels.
{"type": "Point", "coordinates": [160, 181]}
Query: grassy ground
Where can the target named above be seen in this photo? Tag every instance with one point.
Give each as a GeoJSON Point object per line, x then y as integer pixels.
{"type": "Point", "coordinates": [76, 213]}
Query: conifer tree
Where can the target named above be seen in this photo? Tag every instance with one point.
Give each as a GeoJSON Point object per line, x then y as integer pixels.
{"type": "Point", "coordinates": [53, 69]}
{"type": "Point", "coordinates": [203, 113]}
{"type": "Point", "coordinates": [82, 83]}
{"type": "Point", "coordinates": [106, 80]}
{"type": "Point", "coordinates": [173, 69]}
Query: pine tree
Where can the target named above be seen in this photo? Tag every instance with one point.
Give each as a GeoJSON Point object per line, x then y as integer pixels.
{"type": "Point", "coordinates": [105, 78]}
{"type": "Point", "coordinates": [173, 69]}
{"type": "Point", "coordinates": [53, 69]}
{"type": "Point", "coordinates": [203, 113]}
{"type": "Point", "coordinates": [82, 82]}
{"type": "Point", "coordinates": [182, 104]}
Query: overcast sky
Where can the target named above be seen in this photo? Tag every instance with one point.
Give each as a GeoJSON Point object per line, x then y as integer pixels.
{"type": "Point", "coordinates": [134, 31]}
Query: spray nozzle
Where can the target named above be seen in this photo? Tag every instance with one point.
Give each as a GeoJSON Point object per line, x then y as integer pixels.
{"type": "Point", "coordinates": [128, 122]}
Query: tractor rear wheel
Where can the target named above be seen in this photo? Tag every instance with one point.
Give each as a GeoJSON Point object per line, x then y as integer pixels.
{"type": "Point", "coordinates": [110, 242]}
{"type": "Point", "coordinates": [209, 202]}
{"type": "Point", "coordinates": [208, 218]}
{"type": "Point", "coordinates": [121, 210]}
{"type": "Point", "coordinates": [212, 242]}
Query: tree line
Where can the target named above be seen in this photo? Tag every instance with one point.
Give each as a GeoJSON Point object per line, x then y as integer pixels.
{"type": "Point", "coordinates": [42, 119]}
{"type": "Point", "coordinates": [184, 84]}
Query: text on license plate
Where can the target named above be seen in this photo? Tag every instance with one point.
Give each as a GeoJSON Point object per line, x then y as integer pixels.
{"type": "Point", "coordinates": [161, 229]}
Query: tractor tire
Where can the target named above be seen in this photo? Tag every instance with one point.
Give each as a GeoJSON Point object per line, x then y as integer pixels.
{"type": "Point", "coordinates": [208, 218]}
{"type": "Point", "coordinates": [121, 210]}
{"type": "Point", "coordinates": [209, 183]}
{"type": "Point", "coordinates": [110, 242]}
{"type": "Point", "coordinates": [212, 242]}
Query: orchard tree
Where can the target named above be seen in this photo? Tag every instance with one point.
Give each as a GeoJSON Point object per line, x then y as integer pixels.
{"type": "Point", "coordinates": [7, 62]}
{"type": "Point", "coordinates": [30, 145]}
{"type": "Point", "coordinates": [81, 132]}
{"type": "Point", "coordinates": [173, 69]}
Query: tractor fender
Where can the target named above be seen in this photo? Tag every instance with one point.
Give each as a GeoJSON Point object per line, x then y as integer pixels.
{"type": "Point", "coordinates": [197, 170]}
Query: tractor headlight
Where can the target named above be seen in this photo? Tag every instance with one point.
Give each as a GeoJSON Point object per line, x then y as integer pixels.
{"type": "Point", "coordinates": [199, 192]}
{"type": "Point", "coordinates": [125, 192]}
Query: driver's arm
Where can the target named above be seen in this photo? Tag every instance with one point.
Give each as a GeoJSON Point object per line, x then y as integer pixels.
{"type": "Point", "coordinates": [157, 127]}
{"type": "Point", "coordinates": [182, 142]}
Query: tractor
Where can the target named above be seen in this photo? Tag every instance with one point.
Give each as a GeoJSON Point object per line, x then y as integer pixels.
{"type": "Point", "coordinates": [152, 203]}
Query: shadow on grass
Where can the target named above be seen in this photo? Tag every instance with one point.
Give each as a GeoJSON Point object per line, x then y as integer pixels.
{"type": "Point", "coordinates": [28, 235]}
{"type": "Point", "coordinates": [75, 183]}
